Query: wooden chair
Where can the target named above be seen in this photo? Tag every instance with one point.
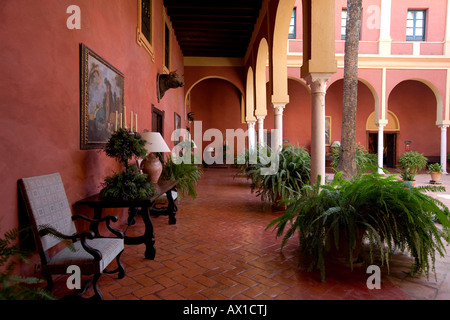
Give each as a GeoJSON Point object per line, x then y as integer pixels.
{"type": "Point", "coordinates": [47, 206]}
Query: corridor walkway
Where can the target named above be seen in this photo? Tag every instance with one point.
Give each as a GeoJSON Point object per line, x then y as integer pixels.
{"type": "Point", "coordinates": [219, 249]}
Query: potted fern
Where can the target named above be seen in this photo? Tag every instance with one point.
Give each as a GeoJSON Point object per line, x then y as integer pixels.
{"type": "Point", "coordinates": [13, 286]}
{"type": "Point", "coordinates": [293, 172]}
{"type": "Point", "coordinates": [377, 207]}
{"type": "Point", "coordinates": [413, 160]}
{"type": "Point", "coordinates": [186, 174]}
{"type": "Point", "coordinates": [435, 170]}
{"type": "Point", "coordinates": [408, 177]}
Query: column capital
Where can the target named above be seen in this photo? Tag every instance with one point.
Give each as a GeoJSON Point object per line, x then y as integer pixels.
{"type": "Point", "coordinates": [260, 118]}
{"type": "Point", "coordinates": [443, 126]}
{"type": "Point", "coordinates": [318, 82]}
{"type": "Point", "coordinates": [278, 108]}
{"type": "Point", "coordinates": [251, 124]}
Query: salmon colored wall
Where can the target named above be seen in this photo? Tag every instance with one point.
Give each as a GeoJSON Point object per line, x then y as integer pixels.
{"type": "Point", "coordinates": [40, 105]}
{"type": "Point", "coordinates": [415, 106]}
{"type": "Point", "coordinates": [296, 115]}
{"type": "Point", "coordinates": [370, 30]}
{"type": "Point", "coordinates": [435, 19]}
{"type": "Point", "coordinates": [217, 104]}
{"type": "Point", "coordinates": [333, 108]}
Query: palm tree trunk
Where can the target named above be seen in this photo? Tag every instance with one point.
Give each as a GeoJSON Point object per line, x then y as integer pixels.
{"type": "Point", "coordinates": [347, 155]}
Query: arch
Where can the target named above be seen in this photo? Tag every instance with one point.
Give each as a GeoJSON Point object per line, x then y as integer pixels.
{"type": "Point", "coordinates": [250, 97]}
{"type": "Point", "coordinates": [260, 78]}
{"type": "Point", "coordinates": [440, 114]}
{"type": "Point", "coordinates": [188, 91]}
{"type": "Point", "coordinates": [302, 82]}
{"type": "Point", "coordinates": [393, 122]}
{"type": "Point", "coordinates": [279, 52]}
{"type": "Point", "coordinates": [439, 101]}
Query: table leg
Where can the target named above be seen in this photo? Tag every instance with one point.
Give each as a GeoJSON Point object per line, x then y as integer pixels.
{"type": "Point", "coordinates": [171, 208]}
{"type": "Point", "coordinates": [149, 236]}
{"type": "Point", "coordinates": [94, 225]}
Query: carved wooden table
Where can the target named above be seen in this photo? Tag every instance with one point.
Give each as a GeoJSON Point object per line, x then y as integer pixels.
{"type": "Point", "coordinates": [142, 207]}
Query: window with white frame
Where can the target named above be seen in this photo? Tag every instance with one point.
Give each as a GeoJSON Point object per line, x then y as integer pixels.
{"type": "Point", "coordinates": [415, 25]}
{"type": "Point", "coordinates": [343, 23]}
{"type": "Point", "coordinates": [292, 25]}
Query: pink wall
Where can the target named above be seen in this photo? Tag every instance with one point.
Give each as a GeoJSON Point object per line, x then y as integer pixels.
{"type": "Point", "coordinates": [415, 106]}
{"type": "Point", "coordinates": [40, 63]}
{"type": "Point", "coordinates": [370, 30]}
{"type": "Point", "coordinates": [217, 104]}
{"type": "Point", "coordinates": [435, 20]}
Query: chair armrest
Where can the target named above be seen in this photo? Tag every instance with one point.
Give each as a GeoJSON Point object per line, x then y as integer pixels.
{"type": "Point", "coordinates": [107, 219]}
{"type": "Point", "coordinates": [82, 236]}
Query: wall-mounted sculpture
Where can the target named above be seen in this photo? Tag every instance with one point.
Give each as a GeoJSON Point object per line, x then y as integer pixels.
{"type": "Point", "coordinates": [166, 81]}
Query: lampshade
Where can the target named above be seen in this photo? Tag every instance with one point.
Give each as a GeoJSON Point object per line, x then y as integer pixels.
{"type": "Point", "coordinates": [155, 142]}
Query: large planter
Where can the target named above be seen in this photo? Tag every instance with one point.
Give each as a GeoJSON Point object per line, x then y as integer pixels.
{"type": "Point", "coordinates": [340, 255]}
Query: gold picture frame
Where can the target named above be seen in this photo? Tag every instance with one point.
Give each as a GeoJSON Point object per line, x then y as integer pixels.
{"type": "Point", "coordinates": [102, 94]}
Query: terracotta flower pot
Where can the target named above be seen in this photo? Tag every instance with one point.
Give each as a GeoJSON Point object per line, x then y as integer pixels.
{"type": "Point", "coordinates": [435, 176]}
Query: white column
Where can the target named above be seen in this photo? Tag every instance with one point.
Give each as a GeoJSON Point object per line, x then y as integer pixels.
{"type": "Point", "coordinates": [380, 147]}
{"type": "Point", "coordinates": [444, 147]}
{"type": "Point", "coordinates": [318, 84]}
{"type": "Point", "coordinates": [251, 136]}
{"type": "Point", "coordinates": [278, 108]}
{"type": "Point", "coordinates": [260, 130]}
{"type": "Point", "coordinates": [385, 40]}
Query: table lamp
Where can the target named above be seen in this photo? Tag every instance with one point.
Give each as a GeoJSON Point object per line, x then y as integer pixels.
{"type": "Point", "coordinates": [151, 165]}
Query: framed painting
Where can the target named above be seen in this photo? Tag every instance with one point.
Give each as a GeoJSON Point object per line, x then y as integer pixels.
{"type": "Point", "coordinates": [176, 126]}
{"type": "Point", "coordinates": [328, 130]}
{"type": "Point", "coordinates": [102, 91]}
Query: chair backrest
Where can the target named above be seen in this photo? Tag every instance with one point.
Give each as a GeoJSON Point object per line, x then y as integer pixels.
{"type": "Point", "coordinates": [47, 204]}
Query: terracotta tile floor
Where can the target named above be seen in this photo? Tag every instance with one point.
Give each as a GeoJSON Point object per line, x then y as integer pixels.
{"type": "Point", "coordinates": [219, 250]}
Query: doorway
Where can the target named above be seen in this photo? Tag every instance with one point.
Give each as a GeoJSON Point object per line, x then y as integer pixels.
{"type": "Point", "coordinates": [157, 120]}
{"type": "Point", "coordinates": [390, 148]}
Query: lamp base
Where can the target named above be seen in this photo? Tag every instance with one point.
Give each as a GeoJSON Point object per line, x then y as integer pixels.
{"type": "Point", "coordinates": [152, 167]}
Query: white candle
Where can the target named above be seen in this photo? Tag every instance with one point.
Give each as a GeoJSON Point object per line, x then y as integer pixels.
{"type": "Point", "coordinates": [131, 120]}
{"type": "Point", "coordinates": [135, 123]}
{"type": "Point", "coordinates": [120, 122]}
{"type": "Point", "coordinates": [115, 125]}
{"type": "Point", "coordinates": [124, 124]}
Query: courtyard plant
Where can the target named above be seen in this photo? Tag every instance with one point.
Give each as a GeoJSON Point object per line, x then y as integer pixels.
{"type": "Point", "coordinates": [292, 172]}
{"type": "Point", "coordinates": [389, 215]}
{"type": "Point", "coordinates": [364, 160]}
{"type": "Point", "coordinates": [185, 173]}
{"type": "Point", "coordinates": [413, 160]}
{"type": "Point", "coordinates": [435, 170]}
